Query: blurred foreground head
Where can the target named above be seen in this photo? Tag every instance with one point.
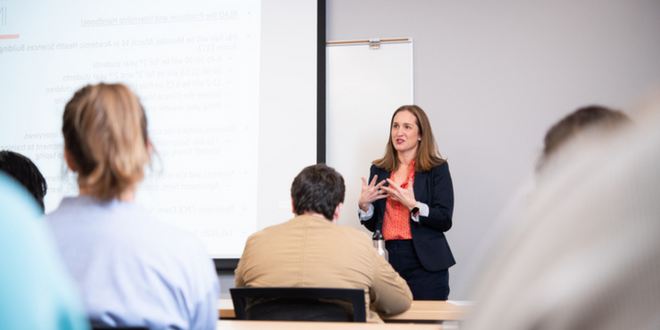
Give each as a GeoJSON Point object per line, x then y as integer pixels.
{"type": "Point", "coordinates": [588, 120]}
{"type": "Point", "coordinates": [586, 254]}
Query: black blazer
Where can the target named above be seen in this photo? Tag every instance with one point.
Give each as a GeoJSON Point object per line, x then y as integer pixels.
{"type": "Point", "coordinates": [433, 188]}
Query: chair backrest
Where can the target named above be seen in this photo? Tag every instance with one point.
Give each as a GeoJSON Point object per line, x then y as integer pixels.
{"type": "Point", "coordinates": [118, 328]}
{"type": "Point", "coordinates": [299, 304]}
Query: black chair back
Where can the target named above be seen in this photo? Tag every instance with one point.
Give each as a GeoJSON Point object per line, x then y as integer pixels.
{"type": "Point", "coordinates": [97, 325]}
{"type": "Point", "coordinates": [118, 328]}
{"type": "Point", "coordinates": [299, 304]}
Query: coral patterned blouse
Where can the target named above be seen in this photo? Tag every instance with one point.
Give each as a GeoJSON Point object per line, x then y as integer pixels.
{"type": "Point", "coordinates": [396, 221]}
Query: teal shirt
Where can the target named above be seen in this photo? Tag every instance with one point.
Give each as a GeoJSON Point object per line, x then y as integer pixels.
{"type": "Point", "coordinates": [35, 289]}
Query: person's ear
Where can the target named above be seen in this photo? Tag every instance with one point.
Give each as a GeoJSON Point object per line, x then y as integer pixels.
{"type": "Point", "coordinates": [293, 209]}
{"type": "Point", "coordinates": [69, 160]}
{"type": "Point", "coordinates": [150, 147]}
{"type": "Point", "coordinates": [335, 218]}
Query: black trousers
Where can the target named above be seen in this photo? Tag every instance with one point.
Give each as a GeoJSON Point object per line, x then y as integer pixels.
{"type": "Point", "coordinates": [425, 285]}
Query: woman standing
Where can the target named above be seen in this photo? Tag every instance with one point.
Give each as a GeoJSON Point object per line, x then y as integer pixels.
{"type": "Point", "coordinates": [412, 204]}
{"type": "Point", "coordinates": [131, 270]}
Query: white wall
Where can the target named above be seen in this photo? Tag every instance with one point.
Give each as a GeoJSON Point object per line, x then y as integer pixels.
{"type": "Point", "coordinates": [494, 75]}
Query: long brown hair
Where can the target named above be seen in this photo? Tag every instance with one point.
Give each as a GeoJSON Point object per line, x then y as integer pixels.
{"type": "Point", "coordinates": [105, 132]}
{"type": "Point", "coordinates": [427, 156]}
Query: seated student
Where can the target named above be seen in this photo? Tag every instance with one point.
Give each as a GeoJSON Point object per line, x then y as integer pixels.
{"type": "Point", "coordinates": [587, 255]}
{"type": "Point", "coordinates": [310, 250]}
{"type": "Point", "coordinates": [24, 171]}
{"type": "Point", "coordinates": [132, 270]}
{"type": "Point", "coordinates": [36, 292]}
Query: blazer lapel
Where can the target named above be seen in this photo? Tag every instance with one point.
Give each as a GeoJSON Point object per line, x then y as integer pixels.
{"type": "Point", "coordinates": [381, 203]}
{"type": "Point", "coordinates": [419, 186]}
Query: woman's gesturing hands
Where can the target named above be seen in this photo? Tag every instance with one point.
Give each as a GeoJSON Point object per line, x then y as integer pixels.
{"type": "Point", "coordinates": [374, 191]}
{"type": "Point", "coordinates": [370, 193]}
{"type": "Point", "coordinates": [403, 196]}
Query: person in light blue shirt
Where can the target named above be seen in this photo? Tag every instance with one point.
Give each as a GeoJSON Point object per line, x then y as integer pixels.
{"type": "Point", "coordinates": [36, 292]}
{"type": "Point", "coordinates": [132, 270]}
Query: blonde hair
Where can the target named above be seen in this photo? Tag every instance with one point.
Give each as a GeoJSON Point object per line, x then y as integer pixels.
{"type": "Point", "coordinates": [105, 132]}
{"type": "Point", "coordinates": [427, 156]}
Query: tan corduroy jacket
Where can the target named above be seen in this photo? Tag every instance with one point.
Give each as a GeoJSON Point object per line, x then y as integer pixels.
{"type": "Point", "coordinates": [309, 251]}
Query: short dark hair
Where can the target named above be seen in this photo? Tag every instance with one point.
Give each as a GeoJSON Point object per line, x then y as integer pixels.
{"type": "Point", "coordinates": [26, 173]}
{"type": "Point", "coordinates": [318, 188]}
{"type": "Point", "coordinates": [593, 116]}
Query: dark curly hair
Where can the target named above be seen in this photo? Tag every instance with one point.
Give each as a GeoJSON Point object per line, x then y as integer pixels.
{"type": "Point", "coordinates": [318, 188]}
{"type": "Point", "coordinates": [24, 171]}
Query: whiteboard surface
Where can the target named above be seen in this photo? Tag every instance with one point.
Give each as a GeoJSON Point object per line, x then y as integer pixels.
{"type": "Point", "coordinates": [364, 88]}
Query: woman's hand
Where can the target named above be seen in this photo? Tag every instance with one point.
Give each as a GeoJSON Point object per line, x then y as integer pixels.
{"type": "Point", "coordinates": [403, 196]}
{"type": "Point", "coordinates": [371, 193]}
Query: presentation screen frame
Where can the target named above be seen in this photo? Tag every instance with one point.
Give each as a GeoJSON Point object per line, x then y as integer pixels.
{"type": "Point", "coordinates": [230, 264]}
{"type": "Point", "coordinates": [261, 100]}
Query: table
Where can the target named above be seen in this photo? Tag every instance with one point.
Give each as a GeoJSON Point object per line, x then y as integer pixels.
{"type": "Point", "coordinates": [430, 310]}
{"type": "Point", "coordinates": [226, 309]}
{"type": "Point", "coordinates": [421, 310]}
{"type": "Point", "coordinates": [287, 325]}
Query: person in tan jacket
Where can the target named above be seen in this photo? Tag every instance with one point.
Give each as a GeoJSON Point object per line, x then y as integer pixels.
{"type": "Point", "coordinates": [311, 250]}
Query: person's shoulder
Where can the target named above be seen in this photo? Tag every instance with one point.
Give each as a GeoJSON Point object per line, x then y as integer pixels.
{"type": "Point", "coordinates": [80, 215]}
{"type": "Point", "coordinates": [442, 167]}
{"type": "Point", "coordinates": [373, 169]}
{"type": "Point", "coordinates": [131, 223]}
{"type": "Point", "coordinates": [179, 256]}
{"type": "Point", "coordinates": [165, 232]}
{"type": "Point", "coordinates": [354, 234]}
{"type": "Point", "coordinates": [67, 206]}
{"type": "Point", "coordinates": [281, 226]}
{"type": "Point", "coordinates": [272, 230]}
{"type": "Point", "coordinates": [85, 207]}
{"type": "Point", "coordinates": [171, 246]}
{"type": "Point", "coordinates": [357, 242]}
{"type": "Point", "coordinates": [376, 170]}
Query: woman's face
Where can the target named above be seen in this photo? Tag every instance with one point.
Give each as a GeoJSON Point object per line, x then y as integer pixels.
{"type": "Point", "coordinates": [405, 132]}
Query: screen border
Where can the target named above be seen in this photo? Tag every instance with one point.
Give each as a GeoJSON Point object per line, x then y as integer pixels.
{"type": "Point", "coordinates": [230, 264]}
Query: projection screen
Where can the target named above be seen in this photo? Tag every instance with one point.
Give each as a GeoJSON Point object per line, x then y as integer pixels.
{"type": "Point", "coordinates": [229, 88]}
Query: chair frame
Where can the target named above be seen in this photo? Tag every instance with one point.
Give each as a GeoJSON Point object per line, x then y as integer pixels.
{"type": "Point", "coordinates": [356, 296]}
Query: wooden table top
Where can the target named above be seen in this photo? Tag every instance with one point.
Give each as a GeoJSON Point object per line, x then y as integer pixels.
{"type": "Point", "coordinates": [431, 310]}
{"type": "Point", "coordinates": [421, 310]}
